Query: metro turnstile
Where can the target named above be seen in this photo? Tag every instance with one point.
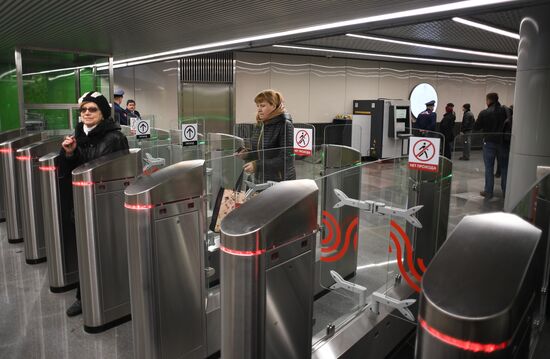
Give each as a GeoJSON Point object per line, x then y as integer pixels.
{"type": "Point", "coordinates": [10, 181]}
{"type": "Point", "coordinates": [166, 231]}
{"type": "Point", "coordinates": [433, 191]}
{"type": "Point", "coordinates": [479, 291]}
{"type": "Point", "coordinates": [31, 198]}
{"type": "Point", "coordinates": [224, 170]}
{"type": "Point", "coordinates": [337, 158]}
{"type": "Point", "coordinates": [98, 192]}
{"type": "Point", "coordinates": [59, 228]}
{"type": "Point", "coordinates": [4, 136]}
{"type": "Point", "coordinates": [267, 272]}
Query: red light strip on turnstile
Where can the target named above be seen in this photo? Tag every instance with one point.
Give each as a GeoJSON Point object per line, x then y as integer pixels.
{"type": "Point", "coordinates": [5, 150]}
{"type": "Point", "coordinates": [463, 344]}
{"type": "Point", "coordinates": [23, 158]}
{"type": "Point", "coordinates": [242, 253]}
{"type": "Point", "coordinates": [139, 207]}
{"type": "Point", "coordinates": [47, 168]}
{"type": "Point", "coordinates": [83, 183]}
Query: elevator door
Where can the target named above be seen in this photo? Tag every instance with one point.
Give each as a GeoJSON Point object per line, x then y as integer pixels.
{"type": "Point", "coordinates": [208, 104]}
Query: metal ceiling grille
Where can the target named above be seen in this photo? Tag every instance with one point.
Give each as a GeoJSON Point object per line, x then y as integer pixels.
{"type": "Point", "coordinates": [210, 68]}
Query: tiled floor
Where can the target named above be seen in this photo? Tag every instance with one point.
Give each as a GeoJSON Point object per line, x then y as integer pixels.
{"type": "Point", "coordinates": [33, 323]}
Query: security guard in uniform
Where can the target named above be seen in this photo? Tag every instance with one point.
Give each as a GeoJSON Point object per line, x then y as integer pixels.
{"type": "Point", "coordinates": [121, 116]}
{"type": "Point", "coordinates": [426, 120]}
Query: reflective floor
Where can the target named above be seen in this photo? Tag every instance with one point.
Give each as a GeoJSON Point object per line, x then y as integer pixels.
{"type": "Point", "coordinates": [33, 323]}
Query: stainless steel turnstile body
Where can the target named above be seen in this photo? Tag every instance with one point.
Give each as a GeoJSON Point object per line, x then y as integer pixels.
{"type": "Point", "coordinates": [480, 291]}
{"type": "Point", "coordinates": [31, 198]}
{"type": "Point", "coordinates": [59, 228]}
{"type": "Point", "coordinates": [11, 184]}
{"type": "Point", "coordinates": [4, 136]}
{"type": "Point", "coordinates": [225, 168]}
{"type": "Point", "coordinates": [166, 231]}
{"type": "Point", "coordinates": [343, 258]}
{"type": "Point", "coordinates": [267, 273]}
{"type": "Point", "coordinates": [98, 191]}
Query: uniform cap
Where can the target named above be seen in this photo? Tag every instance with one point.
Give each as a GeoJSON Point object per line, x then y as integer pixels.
{"type": "Point", "coordinates": [119, 92]}
{"type": "Point", "coordinates": [430, 103]}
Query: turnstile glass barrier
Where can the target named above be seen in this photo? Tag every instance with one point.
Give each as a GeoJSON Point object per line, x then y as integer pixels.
{"type": "Point", "coordinates": [11, 182]}
{"type": "Point", "coordinates": [471, 176]}
{"type": "Point", "coordinates": [59, 226]}
{"type": "Point", "coordinates": [4, 136]}
{"type": "Point", "coordinates": [380, 295]}
{"type": "Point", "coordinates": [28, 166]}
{"type": "Point", "coordinates": [534, 207]}
{"type": "Point", "coordinates": [98, 192]}
{"type": "Point", "coordinates": [166, 230]}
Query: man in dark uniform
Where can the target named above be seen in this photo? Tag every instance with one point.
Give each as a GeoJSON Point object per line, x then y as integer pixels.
{"type": "Point", "coordinates": [426, 120]}
{"type": "Point", "coordinates": [120, 114]}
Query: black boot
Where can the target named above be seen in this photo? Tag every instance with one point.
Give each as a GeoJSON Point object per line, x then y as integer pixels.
{"type": "Point", "coordinates": [75, 309]}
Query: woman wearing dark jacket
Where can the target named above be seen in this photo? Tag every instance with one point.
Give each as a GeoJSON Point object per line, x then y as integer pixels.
{"type": "Point", "coordinates": [97, 135]}
{"type": "Point", "coordinates": [270, 158]}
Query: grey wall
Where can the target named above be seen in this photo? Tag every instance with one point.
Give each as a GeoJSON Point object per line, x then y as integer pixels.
{"type": "Point", "coordinates": [317, 88]}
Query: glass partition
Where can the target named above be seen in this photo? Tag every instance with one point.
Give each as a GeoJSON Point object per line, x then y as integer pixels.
{"type": "Point", "coordinates": [470, 177]}
{"type": "Point", "coordinates": [52, 83]}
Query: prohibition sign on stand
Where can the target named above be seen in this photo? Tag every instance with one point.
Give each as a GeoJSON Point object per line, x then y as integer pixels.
{"type": "Point", "coordinates": [302, 138]}
{"type": "Point", "coordinates": [424, 150]}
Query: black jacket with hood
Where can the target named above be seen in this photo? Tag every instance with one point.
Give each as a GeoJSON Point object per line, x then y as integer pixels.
{"type": "Point", "coordinates": [273, 139]}
{"type": "Point", "coordinates": [104, 139]}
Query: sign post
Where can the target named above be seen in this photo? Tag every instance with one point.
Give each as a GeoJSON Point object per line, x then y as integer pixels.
{"type": "Point", "coordinates": [189, 134]}
{"type": "Point", "coordinates": [143, 129]}
{"type": "Point", "coordinates": [303, 141]}
{"type": "Point", "coordinates": [424, 154]}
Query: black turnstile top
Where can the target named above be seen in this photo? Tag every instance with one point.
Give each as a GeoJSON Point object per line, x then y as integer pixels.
{"type": "Point", "coordinates": [478, 282]}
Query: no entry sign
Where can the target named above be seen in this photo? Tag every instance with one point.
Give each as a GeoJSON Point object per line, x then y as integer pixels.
{"type": "Point", "coordinates": [303, 141]}
{"type": "Point", "coordinates": [424, 154]}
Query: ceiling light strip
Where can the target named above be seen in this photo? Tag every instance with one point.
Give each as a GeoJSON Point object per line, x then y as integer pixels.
{"type": "Point", "coordinates": [481, 26]}
{"type": "Point", "coordinates": [460, 5]}
{"type": "Point", "coordinates": [435, 47]}
{"type": "Point", "coordinates": [398, 57]}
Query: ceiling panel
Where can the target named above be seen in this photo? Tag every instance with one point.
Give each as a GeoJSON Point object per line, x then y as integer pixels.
{"type": "Point", "coordinates": [346, 42]}
{"type": "Point", "coordinates": [451, 33]}
{"type": "Point", "coordinates": [506, 20]}
{"type": "Point", "coordinates": [131, 28]}
{"type": "Point", "coordinates": [140, 27]}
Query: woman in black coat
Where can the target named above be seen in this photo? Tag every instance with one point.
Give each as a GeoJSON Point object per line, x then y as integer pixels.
{"type": "Point", "coordinates": [95, 136]}
{"type": "Point", "coordinates": [270, 158]}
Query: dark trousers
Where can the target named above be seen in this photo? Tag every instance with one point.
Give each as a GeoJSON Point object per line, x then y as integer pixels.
{"type": "Point", "coordinates": [492, 151]}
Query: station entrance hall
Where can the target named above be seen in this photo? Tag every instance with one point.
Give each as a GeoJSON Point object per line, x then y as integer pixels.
{"type": "Point", "coordinates": [275, 180]}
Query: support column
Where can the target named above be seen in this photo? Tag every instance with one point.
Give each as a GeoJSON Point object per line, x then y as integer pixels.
{"type": "Point", "coordinates": [531, 127]}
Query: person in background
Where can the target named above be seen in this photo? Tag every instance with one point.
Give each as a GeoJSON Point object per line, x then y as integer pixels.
{"type": "Point", "coordinates": [97, 135]}
{"type": "Point", "coordinates": [270, 158]}
{"type": "Point", "coordinates": [466, 128]}
{"type": "Point", "coordinates": [446, 127]}
{"type": "Point", "coordinates": [426, 120]}
{"type": "Point", "coordinates": [505, 155]}
{"type": "Point", "coordinates": [508, 116]}
{"type": "Point", "coordinates": [491, 122]}
{"type": "Point", "coordinates": [121, 116]}
{"type": "Point", "coordinates": [131, 109]}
